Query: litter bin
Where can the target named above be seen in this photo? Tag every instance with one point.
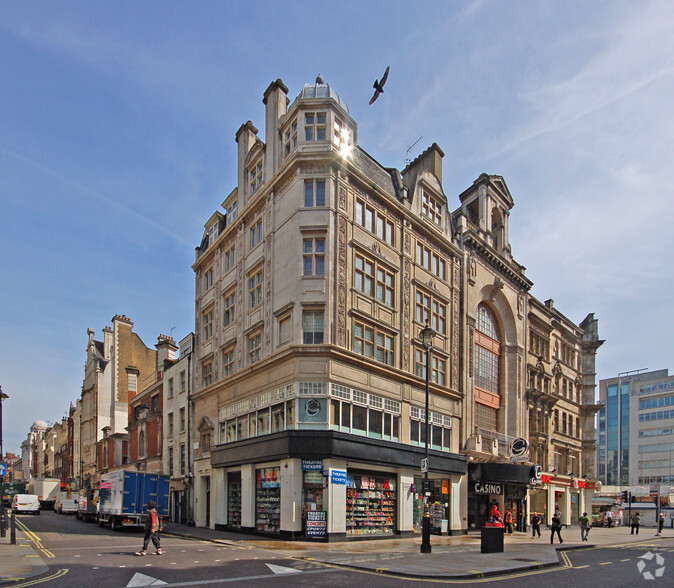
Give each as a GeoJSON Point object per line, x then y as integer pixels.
{"type": "Point", "coordinates": [492, 539]}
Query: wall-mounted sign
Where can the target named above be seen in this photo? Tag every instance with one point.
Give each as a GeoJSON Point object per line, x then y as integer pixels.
{"type": "Point", "coordinates": [488, 488]}
{"type": "Point", "coordinates": [313, 410]}
{"type": "Point", "coordinates": [519, 450]}
{"type": "Point", "coordinates": [310, 465]}
{"type": "Point", "coordinates": [317, 523]}
{"type": "Point", "coordinates": [338, 477]}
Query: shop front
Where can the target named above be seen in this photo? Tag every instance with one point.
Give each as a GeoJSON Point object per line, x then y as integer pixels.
{"type": "Point", "coordinates": [331, 486]}
{"type": "Point", "coordinates": [504, 484]}
{"type": "Point", "coordinates": [566, 495]}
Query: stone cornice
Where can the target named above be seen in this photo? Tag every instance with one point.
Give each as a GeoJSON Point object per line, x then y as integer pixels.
{"type": "Point", "coordinates": [496, 262]}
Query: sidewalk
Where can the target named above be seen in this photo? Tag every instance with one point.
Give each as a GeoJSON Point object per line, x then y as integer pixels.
{"type": "Point", "coordinates": [451, 557]}
{"type": "Point", "coordinates": [20, 561]}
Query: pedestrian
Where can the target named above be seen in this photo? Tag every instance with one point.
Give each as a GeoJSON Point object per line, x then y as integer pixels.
{"type": "Point", "coordinates": [152, 526]}
{"type": "Point", "coordinates": [556, 527]}
{"type": "Point", "coordinates": [508, 520]}
{"type": "Point", "coordinates": [495, 514]}
{"type": "Point", "coordinates": [535, 526]}
{"type": "Point", "coordinates": [635, 521]}
{"type": "Point", "coordinates": [661, 522]}
{"type": "Point", "coordinates": [584, 526]}
{"type": "Point", "coordinates": [609, 518]}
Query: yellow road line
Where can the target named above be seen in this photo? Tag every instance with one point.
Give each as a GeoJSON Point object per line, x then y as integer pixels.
{"type": "Point", "coordinates": [58, 574]}
{"type": "Point", "coordinates": [606, 563]}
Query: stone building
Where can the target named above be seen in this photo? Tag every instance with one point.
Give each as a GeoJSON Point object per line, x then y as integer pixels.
{"type": "Point", "coordinates": [146, 429]}
{"type": "Point", "coordinates": [113, 369]}
{"type": "Point", "coordinates": [311, 290]}
{"type": "Point", "coordinates": [176, 453]}
{"type": "Point", "coordinates": [312, 285]}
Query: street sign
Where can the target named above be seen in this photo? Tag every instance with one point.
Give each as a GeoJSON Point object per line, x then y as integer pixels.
{"type": "Point", "coordinates": [424, 465]}
{"type": "Point", "coordinates": [3, 469]}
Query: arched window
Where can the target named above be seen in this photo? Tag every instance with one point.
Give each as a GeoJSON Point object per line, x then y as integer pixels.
{"type": "Point", "coordinates": [487, 370]}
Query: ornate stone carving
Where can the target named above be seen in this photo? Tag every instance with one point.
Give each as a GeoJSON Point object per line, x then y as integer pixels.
{"type": "Point", "coordinates": [342, 198]}
{"type": "Point", "coordinates": [406, 319]}
{"type": "Point", "coordinates": [341, 282]}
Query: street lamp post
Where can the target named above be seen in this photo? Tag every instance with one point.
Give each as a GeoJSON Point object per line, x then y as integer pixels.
{"type": "Point", "coordinates": [3, 510]}
{"type": "Point", "coordinates": [427, 334]}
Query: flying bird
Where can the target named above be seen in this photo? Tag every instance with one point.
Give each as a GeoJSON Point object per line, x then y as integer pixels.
{"type": "Point", "coordinates": [379, 85]}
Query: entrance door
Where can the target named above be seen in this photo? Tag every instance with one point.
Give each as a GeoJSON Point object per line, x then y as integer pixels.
{"type": "Point", "coordinates": [208, 501]}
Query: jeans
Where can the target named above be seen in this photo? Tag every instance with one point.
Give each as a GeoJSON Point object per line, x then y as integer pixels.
{"type": "Point", "coordinates": [155, 539]}
{"type": "Point", "coordinates": [584, 532]}
{"type": "Point", "coordinates": [557, 530]}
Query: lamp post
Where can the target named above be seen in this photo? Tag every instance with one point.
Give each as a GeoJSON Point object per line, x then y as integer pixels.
{"type": "Point", "coordinates": [3, 510]}
{"type": "Point", "coordinates": [427, 334]}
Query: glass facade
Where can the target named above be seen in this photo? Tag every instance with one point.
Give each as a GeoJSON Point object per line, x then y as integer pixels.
{"type": "Point", "coordinates": [614, 435]}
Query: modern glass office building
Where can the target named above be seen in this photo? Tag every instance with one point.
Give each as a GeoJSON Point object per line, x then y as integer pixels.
{"type": "Point", "coordinates": [636, 429]}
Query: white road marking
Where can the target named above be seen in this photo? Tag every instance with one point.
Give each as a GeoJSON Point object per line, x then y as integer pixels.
{"type": "Point", "coordinates": [282, 569]}
{"type": "Point", "coordinates": [143, 580]}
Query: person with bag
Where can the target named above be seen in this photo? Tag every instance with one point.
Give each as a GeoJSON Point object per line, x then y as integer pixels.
{"type": "Point", "coordinates": [152, 528]}
{"type": "Point", "coordinates": [556, 527]}
{"type": "Point", "coordinates": [535, 526]}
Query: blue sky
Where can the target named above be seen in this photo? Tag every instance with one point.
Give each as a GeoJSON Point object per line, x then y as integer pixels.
{"type": "Point", "coordinates": [117, 125]}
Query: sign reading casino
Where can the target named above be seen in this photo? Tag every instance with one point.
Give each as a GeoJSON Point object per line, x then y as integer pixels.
{"type": "Point", "coordinates": [488, 488]}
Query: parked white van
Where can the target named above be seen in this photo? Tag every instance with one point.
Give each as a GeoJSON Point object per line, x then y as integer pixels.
{"type": "Point", "coordinates": [26, 503]}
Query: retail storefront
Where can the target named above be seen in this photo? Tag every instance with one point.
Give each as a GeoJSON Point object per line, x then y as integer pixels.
{"type": "Point", "coordinates": [505, 484]}
{"type": "Point", "coordinates": [568, 496]}
{"type": "Point", "coordinates": [332, 486]}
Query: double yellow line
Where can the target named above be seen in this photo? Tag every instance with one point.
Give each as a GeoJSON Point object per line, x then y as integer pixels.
{"type": "Point", "coordinates": [34, 538]}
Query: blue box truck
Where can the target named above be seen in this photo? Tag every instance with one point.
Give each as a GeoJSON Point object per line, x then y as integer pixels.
{"type": "Point", "coordinates": [124, 495]}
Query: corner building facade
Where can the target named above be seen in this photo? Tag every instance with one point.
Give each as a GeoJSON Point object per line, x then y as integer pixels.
{"type": "Point", "coordinates": [311, 290]}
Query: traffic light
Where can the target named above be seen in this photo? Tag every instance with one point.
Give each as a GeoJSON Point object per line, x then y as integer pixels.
{"type": "Point", "coordinates": [624, 496]}
{"type": "Point", "coordinates": [633, 498]}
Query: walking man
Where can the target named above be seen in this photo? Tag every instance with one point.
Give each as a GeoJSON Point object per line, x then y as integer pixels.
{"type": "Point", "coordinates": [661, 522]}
{"type": "Point", "coordinates": [535, 526]}
{"type": "Point", "coordinates": [509, 522]}
{"type": "Point", "coordinates": [584, 526]}
{"type": "Point", "coordinates": [634, 523]}
{"type": "Point", "coordinates": [609, 518]}
{"type": "Point", "coordinates": [556, 527]}
{"type": "Point", "coordinates": [152, 524]}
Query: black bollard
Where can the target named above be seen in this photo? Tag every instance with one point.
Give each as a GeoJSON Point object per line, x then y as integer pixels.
{"type": "Point", "coordinates": [12, 530]}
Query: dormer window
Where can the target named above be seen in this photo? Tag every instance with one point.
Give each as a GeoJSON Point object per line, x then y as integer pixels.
{"type": "Point", "coordinates": [315, 126]}
{"type": "Point", "coordinates": [255, 175]}
{"type": "Point", "coordinates": [212, 234]}
{"type": "Point", "coordinates": [431, 208]}
{"type": "Point", "coordinates": [290, 139]}
{"type": "Point", "coordinates": [231, 213]}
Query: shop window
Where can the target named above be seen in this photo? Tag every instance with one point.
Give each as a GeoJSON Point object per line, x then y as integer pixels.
{"type": "Point", "coordinates": [234, 499]}
{"type": "Point", "coordinates": [277, 418]}
{"type": "Point", "coordinates": [268, 500]}
{"type": "Point", "coordinates": [371, 504]}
